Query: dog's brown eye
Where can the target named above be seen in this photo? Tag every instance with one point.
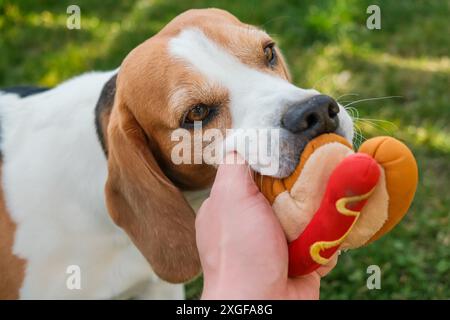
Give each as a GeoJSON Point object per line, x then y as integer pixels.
{"type": "Point", "coordinates": [269, 52]}
{"type": "Point", "coordinates": [197, 113]}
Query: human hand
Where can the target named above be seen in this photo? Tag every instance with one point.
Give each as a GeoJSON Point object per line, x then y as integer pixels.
{"type": "Point", "coordinates": [243, 249]}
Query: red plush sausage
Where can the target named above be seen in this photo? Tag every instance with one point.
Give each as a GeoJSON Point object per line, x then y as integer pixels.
{"type": "Point", "coordinates": [348, 189]}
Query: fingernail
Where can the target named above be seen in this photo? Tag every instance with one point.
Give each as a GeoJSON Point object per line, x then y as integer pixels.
{"type": "Point", "coordinates": [233, 158]}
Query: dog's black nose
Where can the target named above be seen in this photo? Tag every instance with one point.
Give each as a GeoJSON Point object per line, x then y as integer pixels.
{"type": "Point", "coordinates": [312, 117]}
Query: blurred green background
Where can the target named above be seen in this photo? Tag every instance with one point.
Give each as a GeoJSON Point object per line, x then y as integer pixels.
{"type": "Point", "coordinates": [328, 47]}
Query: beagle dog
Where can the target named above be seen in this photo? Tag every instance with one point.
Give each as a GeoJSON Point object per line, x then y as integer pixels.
{"type": "Point", "coordinates": [86, 173]}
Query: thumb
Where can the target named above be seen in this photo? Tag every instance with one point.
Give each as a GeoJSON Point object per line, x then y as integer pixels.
{"type": "Point", "coordinates": [234, 176]}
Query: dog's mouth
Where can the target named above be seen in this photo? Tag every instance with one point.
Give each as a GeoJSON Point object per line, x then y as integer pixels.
{"type": "Point", "coordinates": [279, 151]}
{"type": "Point", "coordinates": [300, 124]}
{"type": "Point", "coordinates": [291, 147]}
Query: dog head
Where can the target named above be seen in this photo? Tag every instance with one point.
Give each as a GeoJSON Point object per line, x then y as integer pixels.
{"type": "Point", "coordinates": [204, 67]}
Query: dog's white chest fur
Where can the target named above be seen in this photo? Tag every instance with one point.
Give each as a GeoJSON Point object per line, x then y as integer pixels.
{"type": "Point", "coordinates": [53, 173]}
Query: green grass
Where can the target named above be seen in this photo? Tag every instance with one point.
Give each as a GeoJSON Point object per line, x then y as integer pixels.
{"type": "Point", "coordinates": [329, 48]}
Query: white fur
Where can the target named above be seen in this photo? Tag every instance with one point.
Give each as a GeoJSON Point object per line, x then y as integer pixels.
{"type": "Point", "coordinates": [54, 172]}
{"type": "Point", "coordinates": [257, 99]}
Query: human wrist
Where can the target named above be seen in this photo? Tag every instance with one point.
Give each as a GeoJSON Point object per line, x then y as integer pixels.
{"type": "Point", "coordinates": [241, 290]}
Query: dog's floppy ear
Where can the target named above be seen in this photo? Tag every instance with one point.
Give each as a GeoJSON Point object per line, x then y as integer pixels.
{"type": "Point", "coordinates": [142, 201]}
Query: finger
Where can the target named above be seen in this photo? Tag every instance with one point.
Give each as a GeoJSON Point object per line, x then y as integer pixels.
{"type": "Point", "coordinates": [201, 212]}
{"type": "Point", "coordinates": [234, 176]}
{"type": "Point", "coordinates": [305, 287]}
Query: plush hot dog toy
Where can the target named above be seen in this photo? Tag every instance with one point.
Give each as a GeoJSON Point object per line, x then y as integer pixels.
{"type": "Point", "coordinates": [339, 199]}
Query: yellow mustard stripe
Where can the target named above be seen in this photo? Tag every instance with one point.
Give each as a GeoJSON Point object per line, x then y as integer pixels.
{"type": "Point", "coordinates": [319, 246]}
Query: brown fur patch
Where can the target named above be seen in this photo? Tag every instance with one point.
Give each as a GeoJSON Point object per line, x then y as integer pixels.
{"type": "Point", "coordinates": [12, 268]}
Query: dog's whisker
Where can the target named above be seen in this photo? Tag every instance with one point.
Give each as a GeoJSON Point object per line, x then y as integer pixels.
{"type": "Point", "coordinates": [345, 95]}
{"type": "Point", "coordinates": [379, 126]}
{"type": "Point", "coordinates": [358, 134]}
{"type": "Point", "coordinates": [371, 99]}
{"type": "Point", "coordinates": [353, 112]}
{"type": "Point", "coordinates": [377, 122]}
{"type": "Point", "coordinates": [345, 101]}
